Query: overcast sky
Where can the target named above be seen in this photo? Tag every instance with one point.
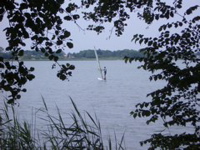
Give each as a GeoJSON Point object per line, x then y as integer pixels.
{"type": "Point", "coordinates": [84, 40]}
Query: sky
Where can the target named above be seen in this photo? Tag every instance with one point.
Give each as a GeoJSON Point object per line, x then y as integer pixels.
{"type": "Point", "coordinates": [84, 39]}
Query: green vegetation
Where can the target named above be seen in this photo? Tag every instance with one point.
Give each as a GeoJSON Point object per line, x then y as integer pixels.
{"type": "Point", "coordinates": [105, 54]}
{"type": "Point", "coordinates": [77, 134]}
{"type": "Point", "coordinates": [41, 23]}
{"type": "Point", "coordinates": [84, 54]}
{"type": "Point", "coordinates": [31, 55]}
{"type": "Point", "coordinates": [177, 102]}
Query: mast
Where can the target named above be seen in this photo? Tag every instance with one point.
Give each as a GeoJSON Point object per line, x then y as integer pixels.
{"type": "Point", "coordinates": [97, 58]}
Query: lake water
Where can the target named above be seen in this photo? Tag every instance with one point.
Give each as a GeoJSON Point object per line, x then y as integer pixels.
{"type": "Point", "coordinates": [111, 100]}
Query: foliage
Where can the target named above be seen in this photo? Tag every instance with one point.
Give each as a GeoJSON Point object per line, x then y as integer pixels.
{"type": "Point", "coordinates": [106, 54]}
{"type": "Point", "coordinates": [41, 23]}
{"type": "Point", "coordinates": [78, 133]}
{"type": "Point", "coordinates": [115, 12]}
{"type": "Point", "coordinates": [177, 103]}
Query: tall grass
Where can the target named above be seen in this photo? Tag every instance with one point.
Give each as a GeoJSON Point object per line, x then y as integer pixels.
{"type": "Point", "coordinates": [83, 133]}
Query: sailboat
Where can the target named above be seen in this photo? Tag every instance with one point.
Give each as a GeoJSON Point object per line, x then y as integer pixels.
{"type": "Point", "coordinates": [99, 66]}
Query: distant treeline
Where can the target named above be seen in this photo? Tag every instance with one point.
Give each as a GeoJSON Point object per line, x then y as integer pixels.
{"type": "Point", "coordinates": [106, 54]}
{"type": "Point", "coordinates": [32, 55]}
{"type": "Point", "coordinates": [84, 54]}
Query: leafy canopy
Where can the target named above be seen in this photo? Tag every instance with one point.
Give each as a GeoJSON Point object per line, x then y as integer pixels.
{"type": "Point", "coordinates": [178, 102]}
{"type": "Point", "coordinates": [41, 23]}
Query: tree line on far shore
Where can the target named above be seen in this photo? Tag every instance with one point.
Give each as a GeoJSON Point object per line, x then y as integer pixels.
{"type": "Point", "coordinates": [83, 54]}
{"type": "Point", "coordinates": [105, 54]}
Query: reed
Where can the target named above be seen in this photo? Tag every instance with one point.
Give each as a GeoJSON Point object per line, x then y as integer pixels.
{"type": "Point", "coordinates": [83, 132]}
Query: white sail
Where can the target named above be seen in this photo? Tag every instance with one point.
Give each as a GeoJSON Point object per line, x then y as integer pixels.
{"type": "Point", "coordinates": [99, 66]}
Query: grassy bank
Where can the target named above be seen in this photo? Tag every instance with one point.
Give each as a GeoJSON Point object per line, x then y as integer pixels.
{"type": "Point", "coordinates": [81, 133]}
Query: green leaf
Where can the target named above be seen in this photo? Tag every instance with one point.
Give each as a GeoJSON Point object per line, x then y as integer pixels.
{"type": "Point", "coordinates": [157, 17]}
{"type": "Point", "coordinates": [51, 57]}
{"type": "Point", "coordinates": [197, 18]}
{"type": "Point", "coordinates": [10, 101]}
{"type": "Point", "coordinates": [30, 76]}
{"type": "Point", "coordinates": [24, 90]}
{"type": "Point", "coordinates": [21, 53]}
{"type": "Point", "coordinates": [68, 9]}
{"type": "Point", "coordinates": [55, 58]}
{"type": "Point", "coordinates": [68, 18]}
{"type": "Point", "coordinates": [23, 6]}
{"type": "Point", "coordinates": [70, 45]}
{"type": "Point", "coordinates": [59, 42]}
{"type": "Point", "coordinates": [18, 96]}
{"type": "Point", "coordinates": [60, 1]}
{"type": "Point", "coordinates": [150, 43]}
{"type": "Point", "coordinates": [191, 9]}
{"type": "Point", "coordinates": [141, 41]}
{"type": "Point", "coordinates": [172, 14]}
{"type": "Point", "coordinates": [67, 34]}
{"type": "Point", "coordinates": [43, 50]}
{"type": "Point", "coordinates": [31, 69]}
{"type": "Point", "coordinates": [59, 51]}
{"type": "Point", "coordinates": [1, 65]}
{"type": "Point", "coordinates": [75, 17]}
{"type": "Point", "coordinates": [62, 77]}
